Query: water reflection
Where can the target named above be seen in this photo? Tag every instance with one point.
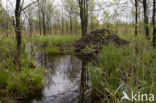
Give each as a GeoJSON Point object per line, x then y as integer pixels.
{"type": "Point", "coordinates": [66, 81]}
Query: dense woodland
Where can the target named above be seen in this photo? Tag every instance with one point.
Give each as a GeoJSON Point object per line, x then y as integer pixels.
{"type": "Point", "coordinates": [56, 25]}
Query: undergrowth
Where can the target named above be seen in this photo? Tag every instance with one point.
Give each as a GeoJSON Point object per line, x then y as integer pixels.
{"type": "Point", "coordinates": [16, 83]}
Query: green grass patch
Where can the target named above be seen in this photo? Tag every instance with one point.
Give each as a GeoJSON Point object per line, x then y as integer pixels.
{"type": "Point", "coordinates": [53, 39]}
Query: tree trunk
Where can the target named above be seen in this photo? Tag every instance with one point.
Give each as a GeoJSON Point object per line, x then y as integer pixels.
{"type": "Point", "coordinates": [71, 24]}
{"type": "Point", "coordinates": [154, 26]}
{"type": "Point", "coordinates": [18, 34]}
{"type": "Point", "coordinates": [43, 12]}
{"type": "Point", "coordinates": [18, 26]}
{"type": "Point", "coordinates": [84, 16]}
{"type": "Point", "coordinates": [30, 27]}
{"type": "Point", "coordinates": [71, 20]}
{"type": "Point", "coordinates": [44, 25]}
{"type": "Point", "coordinates": [62, 19]}
{"type": "Point", "coordinates": [39, 17]}
{"type": "Point", "coordinates": [30, 24]}
{"type": "Point", "coordinates": [146, 19]}
{"type": "Point", "coordinates": [136, 17]}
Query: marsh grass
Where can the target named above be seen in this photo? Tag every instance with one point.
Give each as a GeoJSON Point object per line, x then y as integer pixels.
{"type": "Point", "coordinates": [15, 83]}
{"type": "Point", "coordinates": [128, 68]}
{"type": "Point", "coordinates": [54, 39]}
{"type": "Point", "coordinates": [51, 42]}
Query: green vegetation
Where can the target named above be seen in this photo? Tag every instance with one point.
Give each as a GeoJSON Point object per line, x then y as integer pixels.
{"type": "Point", "coordinates": [51, 42]}
{"type": "Point", "coordinates": [128, 68]}
{"type": "Point", "coordinates": [17, 81]}
{"type": "Point", "coordinates": [53, 39]}
{"type": "Point", "coordinates": [29, 79]}
{"type": "Point", "coordinates": [119, 68]}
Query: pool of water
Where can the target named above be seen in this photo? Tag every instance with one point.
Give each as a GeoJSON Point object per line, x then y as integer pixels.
{"type": "Point", "coordinates": [65, 82]}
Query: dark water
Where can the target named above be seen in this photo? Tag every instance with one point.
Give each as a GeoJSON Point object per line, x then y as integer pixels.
{"type": "Point", "coordinates": [66, 81]}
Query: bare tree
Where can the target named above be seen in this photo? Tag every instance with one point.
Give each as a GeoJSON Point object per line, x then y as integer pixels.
{"type": "Point", "coordinates": [154, 26]}
{"type": "Point", "coordinates": [18, 11]}
{"type": "Point", "coordinates": [83, 4]}
{"type": "Point", "coordinates": [30, 21]}
{"type": "Point", "coordinates": [18, 26]}
{"type": "Point", "coordinates": [146, 19]}
{"type": "Point", "coordinates": [39, 17]}
{"type": "Point", "coordinates": [62, 17]}
{"type": "Point", "coordinates": [43, 12]}
{"type": "Point", "coordinates": [136, 17]}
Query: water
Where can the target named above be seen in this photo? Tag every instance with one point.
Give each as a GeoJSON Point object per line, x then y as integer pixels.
{"type": "Point", "coordinates": [66, 81]}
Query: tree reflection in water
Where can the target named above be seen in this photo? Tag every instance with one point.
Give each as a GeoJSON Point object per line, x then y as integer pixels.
{"type": "Point", "coordinates": [66, 81]}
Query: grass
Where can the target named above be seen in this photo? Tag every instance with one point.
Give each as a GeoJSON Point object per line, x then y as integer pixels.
{"type": "Point", "coordinates": [51, 48]}
{"type": "Point", "coordinates": [50, 42]}
{"type": "Point", "coordinates": [119, 68]}
{"type": "Point", "coordinates": [53, 39]}
{"type": "Point", "coordinates": [15, 83]}
{"type": "Point", "coordinates": [128, 68]}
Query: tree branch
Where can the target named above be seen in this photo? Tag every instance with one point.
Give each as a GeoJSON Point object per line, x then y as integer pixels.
{"type": "Point", "coordinates": [29, 5]}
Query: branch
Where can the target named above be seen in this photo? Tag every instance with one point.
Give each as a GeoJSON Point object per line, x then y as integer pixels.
{"type": "Point", "coordinates": [22, 5]}
{"type": "Point", "coordinates": [29, 5]}
{"type": "Point", "coordinates": [11, 4]}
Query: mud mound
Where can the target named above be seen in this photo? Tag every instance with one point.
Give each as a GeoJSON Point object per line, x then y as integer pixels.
{"type": "Point", "coordinates": [93, 42]}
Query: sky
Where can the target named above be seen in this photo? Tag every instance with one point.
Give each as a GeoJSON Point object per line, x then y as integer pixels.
{"type": "Point", "coordinates": [10, 4]}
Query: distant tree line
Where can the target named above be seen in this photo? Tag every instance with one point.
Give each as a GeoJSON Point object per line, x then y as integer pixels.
{"type": "Point", "coordinates": [80, 17]}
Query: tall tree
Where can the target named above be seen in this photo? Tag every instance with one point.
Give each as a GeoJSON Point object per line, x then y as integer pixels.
{"type": "Point", "coordinates": [39, 17]}
{"type": "Point", "coordinates": [146, 19]}
{"type": "Point", "coordinates": [18, 26]}
{"type": "Point", "coordinates": [136, 17]}
{"type": "Point", "coordinates": [43, 14]}
{"type": "Point", "coordinates": [30, 20]}
{"type": "Point", "coordinates": [71, 9]}
{"type": "Point", "coordinates": [154, 26]}
{"type": "Point", "coordinates": [92, 19]}
{"type": "Point", "coordinates": [0, 4]}
{"type": "Point", "coordinates": [83, 4]}
{"type": "Point", "coordinates": [62, 17]}
{"type": "Point", "coordinates": [50, 9]}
